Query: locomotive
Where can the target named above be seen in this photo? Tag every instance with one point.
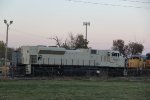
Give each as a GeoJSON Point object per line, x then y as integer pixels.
{"type": "Point", "coordinates": [136, 61]}
{"type": "Point", "coordinates": [43, 60]}
{"type": "Point", "coordinates": [139, 61]}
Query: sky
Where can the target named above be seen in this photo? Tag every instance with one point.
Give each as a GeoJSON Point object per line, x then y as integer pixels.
{"type": "Point", "coordinates": [35, 21]}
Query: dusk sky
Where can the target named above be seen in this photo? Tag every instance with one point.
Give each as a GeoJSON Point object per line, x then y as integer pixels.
{"type": "Point", "coordinates": [37, 20]}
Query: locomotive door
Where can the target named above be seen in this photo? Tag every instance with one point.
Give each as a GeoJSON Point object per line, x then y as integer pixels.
{"type": "Point", "coordinates": [39, 59]}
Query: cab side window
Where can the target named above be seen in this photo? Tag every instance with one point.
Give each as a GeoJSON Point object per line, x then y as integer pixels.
{"type": "Point", "coordinates": [93, 51]}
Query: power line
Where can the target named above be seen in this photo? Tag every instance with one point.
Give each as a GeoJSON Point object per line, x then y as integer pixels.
{"type": "Point", "coordinates": [136, 1]}
{"type": "Point", "coordinates": [106, 4]}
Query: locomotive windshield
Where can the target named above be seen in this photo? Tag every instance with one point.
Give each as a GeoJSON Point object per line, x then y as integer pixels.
{"type": "Point", "coordinates": [135, 58]}
{"type": "Point", "coordinates": [148, 56]}
{"type": "Point", "coordinates": [115, 54]}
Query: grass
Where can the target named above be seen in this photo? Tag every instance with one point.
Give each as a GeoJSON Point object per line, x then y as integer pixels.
{"type": "Point", "coordinates": [73, 90]}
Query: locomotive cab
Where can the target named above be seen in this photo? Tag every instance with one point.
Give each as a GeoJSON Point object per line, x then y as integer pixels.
{"type": "Point", "coordinates": [148, 60]}
{"type": "Point", "coordinates": [117, 57]}
{"type": "Point", "coordinates": [136, 61]}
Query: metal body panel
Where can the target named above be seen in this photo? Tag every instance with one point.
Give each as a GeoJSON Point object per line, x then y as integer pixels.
{"type": "Point", "coordinates": [61, 56]}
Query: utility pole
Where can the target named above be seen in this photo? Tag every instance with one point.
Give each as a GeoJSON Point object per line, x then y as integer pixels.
{"type": "Point", "coordinates": [86, 24]}
{"type": "Point", "coordinates": [5, 21]}
{"type": "Point", "coordinates": [7, 24]}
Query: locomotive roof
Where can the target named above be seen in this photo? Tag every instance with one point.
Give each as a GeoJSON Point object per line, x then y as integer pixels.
{"type": "Point", "coordinates": [41, 47]}
{"type": "Point", "coordinates": [139, 56]}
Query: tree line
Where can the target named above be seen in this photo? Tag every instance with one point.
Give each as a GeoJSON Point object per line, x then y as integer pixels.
{"type": "Point", "coordinates": [72, 42]}
{"type": "Point", "coordinates": [78, 41]}
{"type": "Point", "coordinates": [2, 51]}
{"type": "Point", "coordinates": [132, 48]}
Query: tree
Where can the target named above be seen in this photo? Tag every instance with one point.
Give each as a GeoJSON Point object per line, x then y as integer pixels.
{"type": "Point", "coordinates": [134, 48]}
{"type": "Point", "coordinates": [72, 42]}
{"type": "Point", "coordinates": [58, 41]}
{"type": "Point", "coordinates": [2, 49]}
{"type": "Point", "coordinates": [76, 42]}
{"type": "Point", "coordinates": [80, 42]}
{"type": "Point", "coordinates": [131, 48]}
{"type": "Point", "coordinates": [119, 45]}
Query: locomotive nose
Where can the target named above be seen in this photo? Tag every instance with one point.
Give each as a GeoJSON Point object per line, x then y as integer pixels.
{"type": "Point", "coordinates": [148, 63]}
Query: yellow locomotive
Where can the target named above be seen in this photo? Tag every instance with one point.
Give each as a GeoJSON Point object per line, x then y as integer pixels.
{"type": "Point", "coordinates": [136, 61]}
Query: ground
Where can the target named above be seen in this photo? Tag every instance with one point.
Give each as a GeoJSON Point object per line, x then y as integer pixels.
{"type": "Point", "coordinates": [74, 89]}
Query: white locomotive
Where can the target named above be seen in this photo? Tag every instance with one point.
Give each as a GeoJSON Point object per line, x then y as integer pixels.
{"type": "Point", "coordinates": [42, 56]}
